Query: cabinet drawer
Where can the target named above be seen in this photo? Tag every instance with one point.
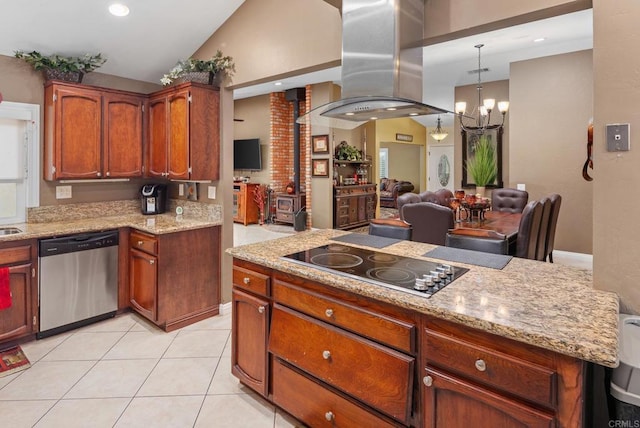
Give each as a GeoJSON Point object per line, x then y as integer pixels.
{"type": "Point", "coordinates": [374, 374]}
{"type": "Point", "coordinates": [13, 255]}
{"type": "Point", "coordinates": [250, 280]}
{"type": "Point", "coordinates": [284, 216]}
{"type": "Point", "coordinates": [316, 406]}
{"type": "Point", "coordinates": [146, 243]}
{"type": "Point", "coordinates": [342, 202]}
{"type": "Point", "coordinates": [393, 332]}
{"type": "Point", "coordinates": [492, 368]}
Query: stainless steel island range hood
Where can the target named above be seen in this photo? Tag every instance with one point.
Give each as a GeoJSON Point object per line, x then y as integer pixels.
{"type": "Point", "coordinates": [381, 65]}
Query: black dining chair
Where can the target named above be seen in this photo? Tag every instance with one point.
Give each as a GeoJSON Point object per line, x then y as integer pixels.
{"type": "Point", "coordinates": [541, 245]}
{"type": "Point", "coordinates": [556, 201]}
{"type": "Point", "coordinates": [528, 230]}
{"type": "Point", "coordinates": [429, 222]}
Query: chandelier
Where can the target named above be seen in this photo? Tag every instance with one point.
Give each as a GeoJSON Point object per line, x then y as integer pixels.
{"type": "Point", "coordinates": [484, 109]}
{"type": "Point", "coordinates": [439, 134]}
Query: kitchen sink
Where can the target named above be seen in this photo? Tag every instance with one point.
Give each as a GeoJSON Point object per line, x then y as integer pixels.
{"type": "Point", "coordinates": [9, 230]}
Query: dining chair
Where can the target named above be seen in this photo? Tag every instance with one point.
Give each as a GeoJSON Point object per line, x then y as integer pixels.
{"type": "Point", "coordinates": [528, 230]}
{"type": "Point", "coordinates": [509, 200]}
{"type": "Point", "coordinates": [429, 222]}
{"type": "Point", "coordinates": [390, 228]}
{"type": "Point", "coordinates": [556, 201]}
{"type": "Point", "coordinates": [541, 245]}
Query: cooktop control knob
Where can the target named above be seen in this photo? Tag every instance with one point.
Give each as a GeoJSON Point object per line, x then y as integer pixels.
{"type": "Point", "coordinates": [436, 276]}
{"type": "Point", "coordinates": [420, 285]}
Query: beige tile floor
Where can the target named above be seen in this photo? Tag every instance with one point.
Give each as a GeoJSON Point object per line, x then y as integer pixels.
{"type": "Point", "coordinates": [125, 372]}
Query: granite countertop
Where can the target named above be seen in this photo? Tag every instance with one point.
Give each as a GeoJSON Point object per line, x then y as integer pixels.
{"type": "Point", "coordinates": [82, 218]}
{"type": "Point", "coordinates": [543, 304]}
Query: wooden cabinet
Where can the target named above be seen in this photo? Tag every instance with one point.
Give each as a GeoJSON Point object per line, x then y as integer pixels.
{"type": "Point", "coordinates": [184, 135]}
{"type": "Point", "coordinates": [174, 278]}
{"type": "Point", "coordinates": [354, 205]}
{"type": "Point", "coordinates": [250, 326]}
{"type": "Point", "coordinates": [245, 208]}
{"type": "Point", "coordinates": [472, 375]}
{"type": "Point", "coordinates": [92, 132]}
{"type": "Point", "coordinates": [21, 319]}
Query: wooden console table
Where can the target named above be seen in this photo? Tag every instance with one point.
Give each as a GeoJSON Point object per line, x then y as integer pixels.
{"type": "Point", "coordinates": [245, 209]}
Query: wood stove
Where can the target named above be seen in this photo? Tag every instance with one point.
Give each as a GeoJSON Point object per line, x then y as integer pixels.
{"type": "Point", "coordinates": [287, 205]}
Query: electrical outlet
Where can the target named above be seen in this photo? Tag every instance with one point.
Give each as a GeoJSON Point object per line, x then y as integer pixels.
{"type": "Point", "coordinates": [521, 186]}
{"type": "Point", "coordinates": [180, 189]}
{"type": "Point", "coordinates": [63, 192]}
{"type": "Point", "coordinates": [212, 192]}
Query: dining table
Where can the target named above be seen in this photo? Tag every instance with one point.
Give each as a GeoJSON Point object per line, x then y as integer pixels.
{"type": "Point", "coordinates": [493, 225]}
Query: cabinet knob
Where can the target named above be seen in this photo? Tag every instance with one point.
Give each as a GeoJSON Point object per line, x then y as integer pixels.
{"type": "Point", "coordinates": [326, 355]}
{"type": "Point", "coordinates": [329, 313]}
{"type": "Point", "coordinates": [481, 365]}
{"type": "Point", "coordinates": [246, 280]}
{"type": "Point", "coordinates": [151, 262]}
{"type": "Point", "coordinates": [261, 309]}
{"type": "Point", "coordinates": [329, 416]}
{"type": "Point", "coordinates": [108, 174]}
{"type": "Point", "coordinates": [140, 243]}
{"type": "Point", "coordinates": [99, 174]}
{"type": "Point", "coordinates": [427, 380]}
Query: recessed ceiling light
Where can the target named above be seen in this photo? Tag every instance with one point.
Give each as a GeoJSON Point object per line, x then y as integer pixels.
{"type": "Point", "coordinates": [391, 109]}
{"type": "Point", "coordinates": [349, 114]}
{"type": "Point", "coordinates": [118, 9]}
{"type": "Point", "coordinates": [539, 39]}
{"type": "Point", "coordinates": [413, 114]}
{"type": "Point", "coordinates": [278, 83]}
{"type": "Point", "coordinates": [373, 118]}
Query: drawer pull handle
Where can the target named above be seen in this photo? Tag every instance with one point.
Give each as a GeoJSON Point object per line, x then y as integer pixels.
{"type": "Point", "coordinates": [246, 280]}
{"type": "Point", "coordinates": [261, 309]}
{"type": "Point", "coordinates": [140, 243]}
{"type": "Point", "coordinates": [427, 380]}
{"type": "Point", "coordinates": [152, 261]}
{"type": "Point", "coordinates": [329, 313]}
{"type": "Point", "coordinates": [329, 416]}
{"type": "Point", "coordinates": [481, 365]}
{"type": "Point", "coordinates": [326, 355]}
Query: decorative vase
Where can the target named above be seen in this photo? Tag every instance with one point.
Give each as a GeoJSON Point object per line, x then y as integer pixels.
{"type": "Point", "coordinates": [204, 77]}
{"type": "Point", "coordinates": [480, 191]}
{"type": "Point", "coordinates": [67, 76]}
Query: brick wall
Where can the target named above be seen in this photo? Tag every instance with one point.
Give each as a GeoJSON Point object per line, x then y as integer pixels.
{"type": "Point", "coordinates": [281, 135]}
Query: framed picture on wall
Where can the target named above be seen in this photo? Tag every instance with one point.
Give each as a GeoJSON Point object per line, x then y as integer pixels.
{"type": "Point", "coordinates": [320, 144]}
{"type": "Point", "coordinates": [470, 141]}
{"type": "Point", "coordinates": [320, 167]}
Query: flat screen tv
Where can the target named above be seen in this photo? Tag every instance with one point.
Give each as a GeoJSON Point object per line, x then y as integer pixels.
{"type": "Point", "coordinates": [246, 154]}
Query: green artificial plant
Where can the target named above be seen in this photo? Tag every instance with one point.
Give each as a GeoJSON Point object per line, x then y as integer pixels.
{"type": "Point", "coordinates": [83, 64]}
{"type": "Point", "coordinates": [217, 64]}
{"type": "Point", "coordinates": [483, 166]}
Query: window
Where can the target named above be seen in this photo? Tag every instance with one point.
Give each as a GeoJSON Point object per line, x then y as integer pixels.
{"type": "Point", "coordinates": [19, 160]}
{"type": "Point", "coordinates": [384, 163]}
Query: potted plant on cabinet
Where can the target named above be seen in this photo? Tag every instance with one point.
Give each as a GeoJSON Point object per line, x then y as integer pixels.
{"type": "Point", "coordinates": [483, 166]}
{"type": "Point", "coordinates": [202, 71]}
{"type": "Point", "coordinates": [58, 67]}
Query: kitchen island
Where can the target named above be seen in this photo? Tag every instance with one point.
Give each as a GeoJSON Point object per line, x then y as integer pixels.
{"type": "Point", "coordinates": [497, 345]}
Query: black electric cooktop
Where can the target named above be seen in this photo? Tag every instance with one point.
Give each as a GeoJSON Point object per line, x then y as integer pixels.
{"type": "Point", "coordinates": [414, 276]}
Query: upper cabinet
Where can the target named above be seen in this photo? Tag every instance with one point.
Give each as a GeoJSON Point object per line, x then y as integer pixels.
{"type": "Point", "coordinates": [184, 133]}
{"type": "Point", "coordinates": [92, 132]}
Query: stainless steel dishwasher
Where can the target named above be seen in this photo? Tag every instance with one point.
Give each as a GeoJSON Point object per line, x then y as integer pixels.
{"type": "Point", "coordinates": [78, 280]}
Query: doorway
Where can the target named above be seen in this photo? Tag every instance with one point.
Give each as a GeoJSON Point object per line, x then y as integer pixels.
{"type": "Point", "coordinates": [440, 172]}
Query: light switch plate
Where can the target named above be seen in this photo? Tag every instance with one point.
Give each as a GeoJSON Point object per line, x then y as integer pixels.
{"type": "Point", "coordinates": [618, 137]}
{"type": "Point", "coordinates": [63, 192]}
{"type": "Point", "coordinates": [521, 186]}
{"type": "Point", "coordinates": [180, 189]}
{"type": "Point", "coordinates": [212, 192]}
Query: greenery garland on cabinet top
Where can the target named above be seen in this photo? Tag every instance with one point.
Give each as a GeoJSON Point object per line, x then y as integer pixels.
{"type": "Point", "coordinates": [483, 166]}
{"type": "Point", "coordinates": [85, 63]}
{"type": "Point", "coordinates": [218, 64]}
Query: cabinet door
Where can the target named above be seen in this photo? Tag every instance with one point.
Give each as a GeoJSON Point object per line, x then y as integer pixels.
{"type": "Point", "coordinates": [249, 361]}
{"type": "Point", "coordinates": [179, 135]}
{"type": "Point", "coordinates": [353, 210]}
{"type": "Point", "coordinates": [239, 206]}
{"type": "Point", "coordinates": [143, 283]}
{"type": "Point", "coordinates": [77, 134]}
{"type": "Point", "coordinates": [204, 133]}
{"type": "Point", "coordinates": [158, 142]}
{"type": "Point", "coordinates": [18, 320]}
{"type": "Point", "coordinates": [452, 403]}
{"type": "Point", "coordinates": [122, 139]}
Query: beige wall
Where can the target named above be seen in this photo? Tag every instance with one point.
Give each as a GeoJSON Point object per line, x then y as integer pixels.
{"type": "Point", "coordinates": [616, 92]}
{"type": "Point", "coordinates": [256, 119]}
{"type": "Point", "coordinates": [407, 160]}
{"type": "Point", "coordinates": [404, 162]}
{"type": "Point", "coordinates": [551, 104]}
{"type": "Point", "coordinates": [269, 38]}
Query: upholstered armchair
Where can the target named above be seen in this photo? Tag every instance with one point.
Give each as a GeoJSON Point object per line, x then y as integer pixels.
{"type": "Point", "coordinates": [440, 197]}
{"type": "Point", "coordinates": [391, 189]}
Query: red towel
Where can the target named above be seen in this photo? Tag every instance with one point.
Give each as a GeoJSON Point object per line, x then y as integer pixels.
{"type": "Point", "coordinates": [5, 289]}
